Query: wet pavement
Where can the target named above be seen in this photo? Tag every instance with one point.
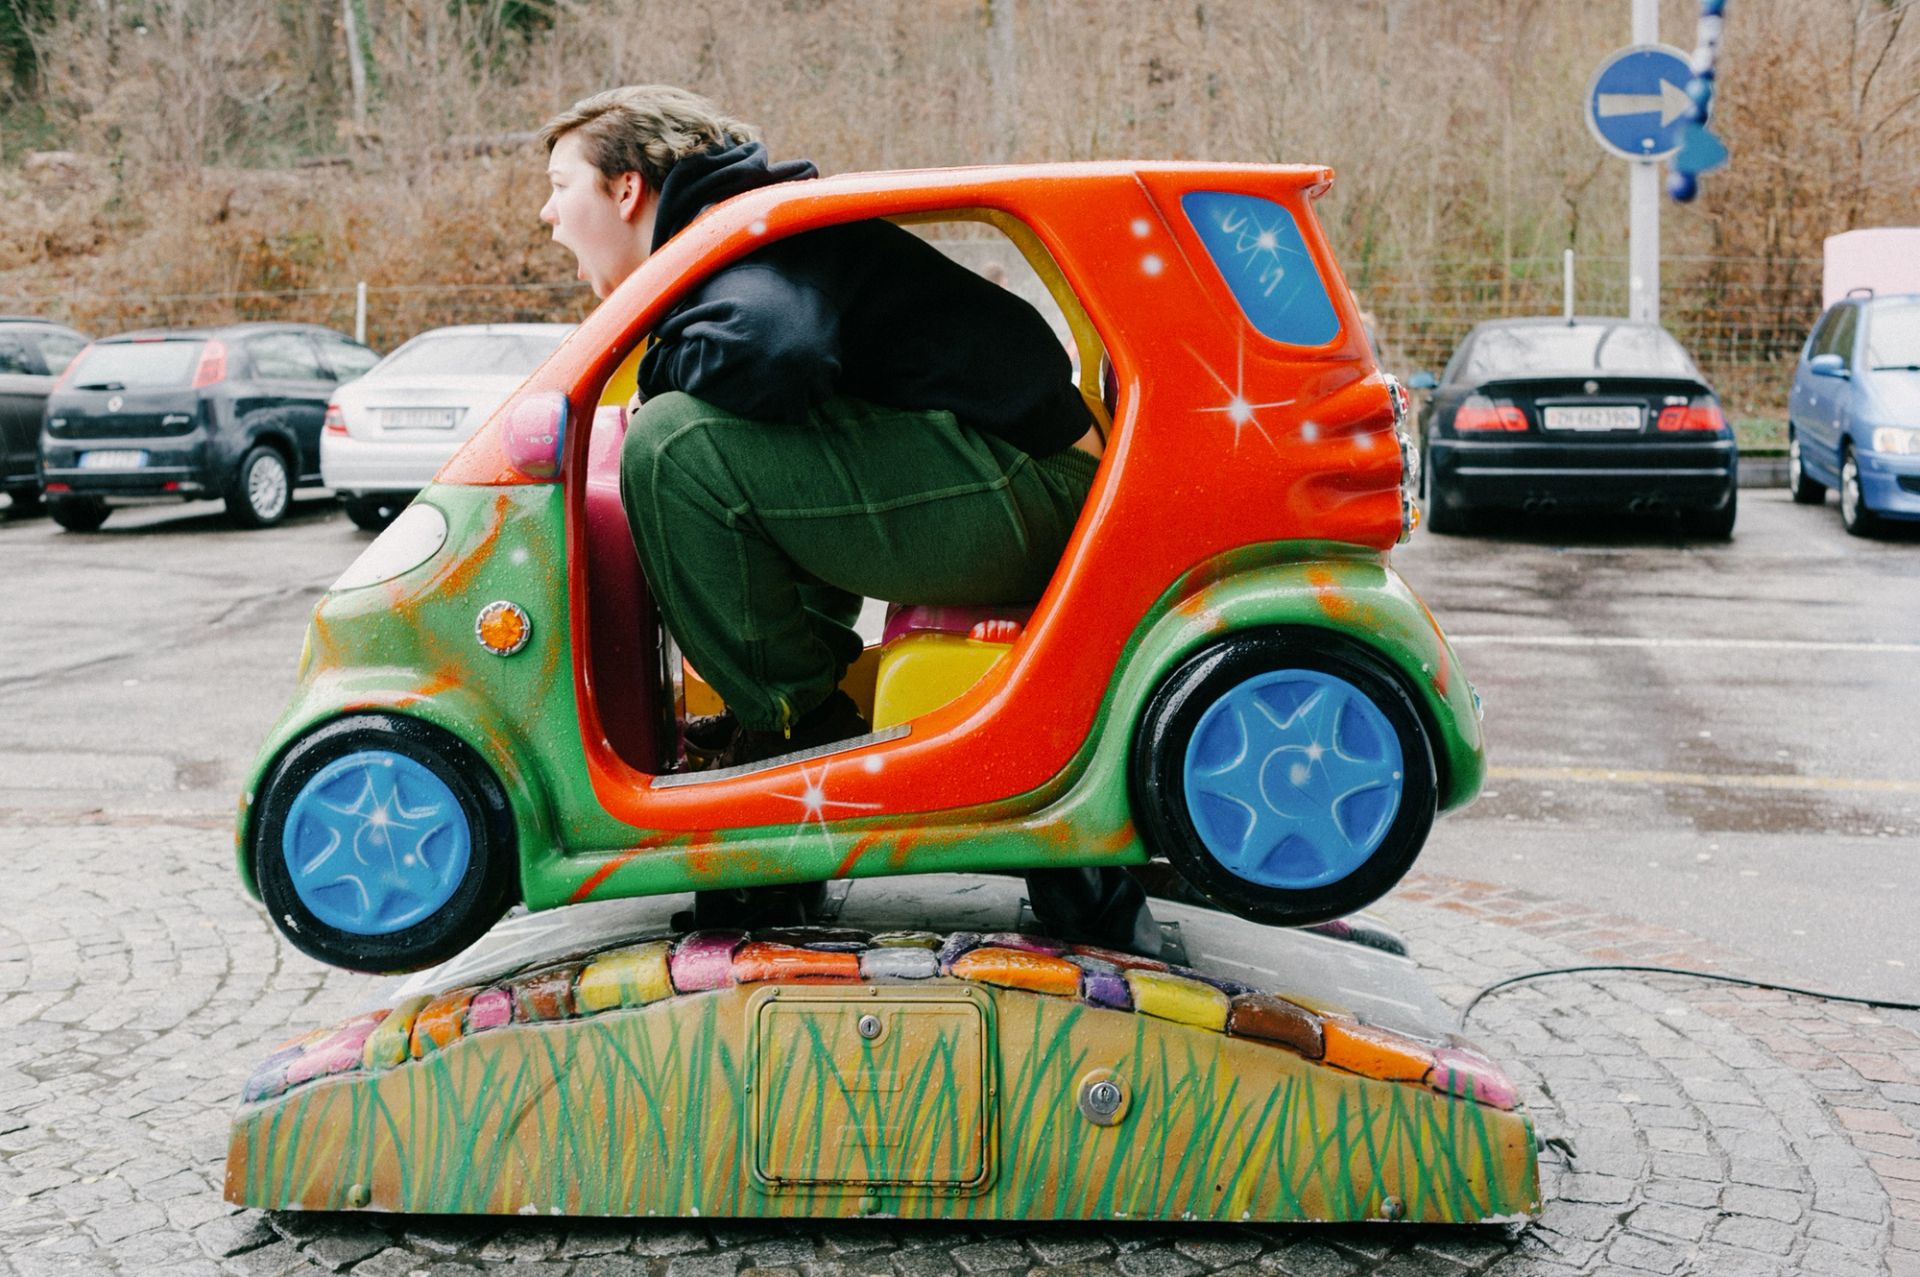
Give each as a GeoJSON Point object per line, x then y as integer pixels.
{"type": "Point", "coordinates": [1702, 755]}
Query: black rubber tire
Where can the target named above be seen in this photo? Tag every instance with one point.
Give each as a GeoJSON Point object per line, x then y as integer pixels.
{"type": "Point", "coordinates": [489, 886]}
{"type": "Point", "coordinates": [247, 507]}
{"type": "Point", "coordinates": [1160, 742]}
{"type": "Point", "coordinates": [1855, 517]}
{"type": "Point", "coordinates": [1803, 490]}
{"type": "Point", "coordinates": [1443, 519]}
{"type": "Point", "coordinates": [1448, 520]}
{"type": "Point", "coordinates": [1713, 525]}
{"type": "Point", "coordinates": [373, 511]}
{"type": "Point", "coordinates": [79, 514]}
{"type": "Point", "coordinates": [26, 499]}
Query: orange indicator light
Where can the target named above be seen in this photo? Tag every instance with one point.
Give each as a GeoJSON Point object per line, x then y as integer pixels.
{"type": "Point", "coordinates": [503, 628]}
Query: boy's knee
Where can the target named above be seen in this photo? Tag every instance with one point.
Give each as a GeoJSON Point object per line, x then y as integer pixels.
{"type": "Point", "coordinates": [649, 430]}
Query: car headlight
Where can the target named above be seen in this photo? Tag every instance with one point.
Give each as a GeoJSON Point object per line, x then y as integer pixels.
{"type": "Point", "coordinates": [1898, 440]}
{"type": "Point", "coordinates": [409, 541]}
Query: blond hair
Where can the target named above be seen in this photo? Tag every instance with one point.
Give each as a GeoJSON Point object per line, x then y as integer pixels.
{"type": "Point", "coordinates": [645, 129]}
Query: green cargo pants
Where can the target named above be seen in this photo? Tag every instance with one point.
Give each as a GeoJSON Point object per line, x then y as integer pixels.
{"type": "Point", "coordinates": [759, 539]}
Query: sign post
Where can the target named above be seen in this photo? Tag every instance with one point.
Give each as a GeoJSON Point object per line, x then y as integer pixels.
{"type": "Point", "coordinates": [1637, 108]}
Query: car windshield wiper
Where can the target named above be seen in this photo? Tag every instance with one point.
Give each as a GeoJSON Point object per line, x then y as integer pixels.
{"type": "Point", "coordinates": [102, 385]}
{"type": "Point", "coordinates": [1896, 367]}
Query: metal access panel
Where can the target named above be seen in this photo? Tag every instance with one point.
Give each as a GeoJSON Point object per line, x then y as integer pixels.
{"type": "Point", "coordinates": [863, 1087]}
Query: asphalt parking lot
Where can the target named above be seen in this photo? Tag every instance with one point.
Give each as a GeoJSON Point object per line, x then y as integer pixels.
{"type": "Point", "coordinates": [1702, 753]}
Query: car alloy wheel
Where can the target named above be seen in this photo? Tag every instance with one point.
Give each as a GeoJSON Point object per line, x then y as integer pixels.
{"type": "Point", "coordinates": [1805, 491]}
{"type": "Point", "coordinates": [1854, 515]}
{"type": "Point", "coordinates": [1286, 774]}
{"type": "Point", "coordinates": [263, 491]}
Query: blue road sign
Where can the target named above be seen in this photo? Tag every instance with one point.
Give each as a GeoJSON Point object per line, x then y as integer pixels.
{"type": "Point", "coordinates": [1637, 105]}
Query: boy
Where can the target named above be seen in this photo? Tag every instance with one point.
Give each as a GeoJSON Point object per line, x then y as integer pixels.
{"type": "Point", "coordinates": [845, 413]}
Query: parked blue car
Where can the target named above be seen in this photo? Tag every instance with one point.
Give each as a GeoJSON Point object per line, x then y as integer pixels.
{"type": "Point", "coordinates": [1853, 420]}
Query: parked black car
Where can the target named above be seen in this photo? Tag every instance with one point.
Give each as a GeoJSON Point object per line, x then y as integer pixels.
{"type": "Point", "coordinates": [232, 412]}
{"type": "Point", "coordinates": [32, 353]}
{"type": "Point", "coordinates": [1576, 414]}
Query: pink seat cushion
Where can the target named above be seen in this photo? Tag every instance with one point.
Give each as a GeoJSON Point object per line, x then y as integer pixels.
{"type": "Point", "coordinates": [620, 613]}
{"type": "Point", "coordinates": [939, 618]}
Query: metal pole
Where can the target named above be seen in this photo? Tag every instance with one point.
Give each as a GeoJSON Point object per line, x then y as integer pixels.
{"type": "Point", "coordinates": [1566, 282]}
{"type": "Point", "coordinates": [1643, 202]}
{"type": "Point", "coordinates": [360, 312]}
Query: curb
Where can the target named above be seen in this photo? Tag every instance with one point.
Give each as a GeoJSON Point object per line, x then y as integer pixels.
{"type": "Point", "coordinates": [1763, 472]}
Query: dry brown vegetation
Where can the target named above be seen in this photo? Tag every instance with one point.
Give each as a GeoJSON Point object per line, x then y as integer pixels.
{"type": "Point", "coordinates": [219, 166]}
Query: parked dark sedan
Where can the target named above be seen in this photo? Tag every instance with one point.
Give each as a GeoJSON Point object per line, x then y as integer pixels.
{"type": "Point", "coordinates": [1582, 414]}
{"type": "Point", "coordinates": [32, 353]}
{"type": "Point", "coordinates": [231, 412]}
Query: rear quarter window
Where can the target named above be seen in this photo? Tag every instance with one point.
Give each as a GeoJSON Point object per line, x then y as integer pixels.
{"type": "Point", "coordinates": [1257, 246]}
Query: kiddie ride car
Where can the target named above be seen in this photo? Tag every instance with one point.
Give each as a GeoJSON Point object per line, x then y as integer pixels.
{"type": "Point", "coordinates": [1224, 671]}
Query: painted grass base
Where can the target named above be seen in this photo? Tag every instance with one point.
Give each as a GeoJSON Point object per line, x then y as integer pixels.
{"type": "Point", "coordinates": [964, 1104]}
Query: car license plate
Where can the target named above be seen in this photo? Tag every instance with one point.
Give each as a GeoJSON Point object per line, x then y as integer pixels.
{"type": "Point", "coordinates": [113, 459]}
{"type": "Point", "coordinates": [419, 418]}
{"type": "Point", "coordinates": [1598, 417]}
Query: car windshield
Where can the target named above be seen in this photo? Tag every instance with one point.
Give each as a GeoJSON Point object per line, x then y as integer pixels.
{"type": "Point", "coordinates": [1893, 337]}
{"type": "Point", "coordinates": [465, 354]}
{"type": "Point", "coordinates": [123, 365]}
{"type": "Point", "coordinates": [1532, 349]}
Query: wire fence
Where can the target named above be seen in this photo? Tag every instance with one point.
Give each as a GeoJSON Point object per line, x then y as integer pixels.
{"type": "Point", "coordinates": [1743, 318]}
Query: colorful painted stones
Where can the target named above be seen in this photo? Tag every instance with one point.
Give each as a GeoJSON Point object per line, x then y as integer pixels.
{"type": "Point", "coordinates": [441, 1022]}
{"type": "Point", "coordinates": [391, 1042]}
{"type": "Point", "coordinates": [759, 960]}
{"type": "Point", "coordinates": [901, 962]}
{"type": "Point", "coordinates": [640, 975]}
{"type": "Point", "coordinates": [1019, 969]}
{"type": "Point", "coordinates": [1173, 997]}
{"type": "Point", "coordinates": [1274, 1019]}
{"type": "Point", "coordinates": [1374, 1052]}
{"type": "Point", "coordinates": [704, 960]}
{"type": "Point", "coordinates": [544, 995]}
{"type": "Point", "coordinates": [629, 977]}
{"type": "Point", "coordinates": [1459, 1069]}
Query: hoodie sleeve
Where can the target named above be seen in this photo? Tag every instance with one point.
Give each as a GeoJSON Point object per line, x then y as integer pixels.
{"type": "Point", "coordinates": [752, 341]}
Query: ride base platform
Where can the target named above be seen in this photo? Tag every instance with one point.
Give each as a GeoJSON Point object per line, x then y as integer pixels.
{"type": "Point", "coordinates": [591, 1062]}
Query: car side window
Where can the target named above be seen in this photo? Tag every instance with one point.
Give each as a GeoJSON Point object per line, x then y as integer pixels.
{"type": "Point", "coordinates": [349, 359]}
{"type": "Point", "coordinates": [57, 349]}
{"type": "Point", "coordinates": [285, 357]}
{"type": "Point", "coordinates": [1822, 329]}
{"type": "Point", "coordinates": [1840, 340]}
{"type": "Point", "coordinates": [15, 357]}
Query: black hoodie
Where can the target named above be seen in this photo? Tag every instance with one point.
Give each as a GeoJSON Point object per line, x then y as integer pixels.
{"type": "Point", "coordinates": [863, 309]}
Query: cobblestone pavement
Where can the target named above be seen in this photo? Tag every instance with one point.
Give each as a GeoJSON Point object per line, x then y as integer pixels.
{"type": "Point", "coordinates": [1716, 1131]}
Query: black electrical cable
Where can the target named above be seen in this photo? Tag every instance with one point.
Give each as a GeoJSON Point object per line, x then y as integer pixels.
{"type": "Point", "coordinates": [1497, 985]}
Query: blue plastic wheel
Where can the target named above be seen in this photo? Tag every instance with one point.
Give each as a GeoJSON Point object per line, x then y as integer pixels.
{"type": "Point", "coordinates": [1293, 778]}
{"type": "Point", "coordinates": [375, 842]}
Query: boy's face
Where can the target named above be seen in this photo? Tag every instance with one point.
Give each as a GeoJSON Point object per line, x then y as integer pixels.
{"type": "Point", "coordinates": [607, 223]}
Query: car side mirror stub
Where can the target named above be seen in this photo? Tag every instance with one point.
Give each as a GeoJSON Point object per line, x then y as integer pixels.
{"type": "Point", "coordinates": [1828, 365]}
{"type": "Point", "coordinates": [1422, 380]}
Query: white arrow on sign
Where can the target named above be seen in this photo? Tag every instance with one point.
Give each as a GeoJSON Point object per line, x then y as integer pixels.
{"type": "Point", "coordinates": [1671, 101]}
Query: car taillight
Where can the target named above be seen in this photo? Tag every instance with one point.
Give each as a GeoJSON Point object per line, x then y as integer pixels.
{"type": "Point", "coordinates": [1693, 416]}
{"type": "Point", "coordinates": [67, 372]}
{"type": "Point", "coordinates": [1479, 413]}
{"type": "Point", "coordinates": [213, 364]}
{"type": "Point", "coordinates": [336, 422]}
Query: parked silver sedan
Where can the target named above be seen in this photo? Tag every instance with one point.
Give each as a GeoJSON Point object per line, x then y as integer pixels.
{"type": "Point", "coordinates": [389, 433]}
